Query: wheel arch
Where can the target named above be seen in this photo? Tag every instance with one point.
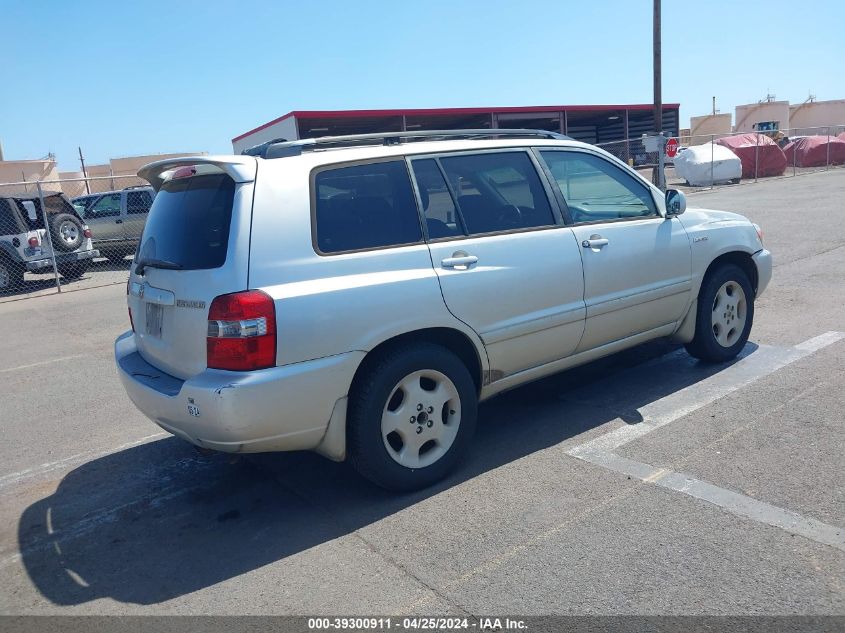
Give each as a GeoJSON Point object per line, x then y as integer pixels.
{"type": "Point", "coordinates": [452, 339]}
{"type": "Point", "coordinates": [744, 260]}
{"type": "Point", "coordinates": [741, 259]}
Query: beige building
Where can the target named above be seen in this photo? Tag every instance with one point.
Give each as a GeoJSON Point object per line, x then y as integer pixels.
{"type": "Point", "coordinates": [118, 173]}
{"type": "Point", "coordinates": [26, 171]}
{"type": "Point", "coordinates": [810, 117]}
{"type": "Point", "coordinates": [750, 115]}
{"type": "Point", "coordinates": [804, 117]}
{"type": "Point", "coordinates": [703, 129]}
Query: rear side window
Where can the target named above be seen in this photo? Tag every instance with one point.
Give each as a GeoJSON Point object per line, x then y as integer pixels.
{"type": "Point", "coordinates": [138, 202]}
{"type": "Point", "coordinates": [498, 191]}
{"type": "Point", "coordinates": [189, 222]}
{"type": "Point", "coordinates": [365, 206]}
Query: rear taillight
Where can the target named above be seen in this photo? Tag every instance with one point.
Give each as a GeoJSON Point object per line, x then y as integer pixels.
{"type": "Point", "coordinates": [33, 242]}
{"type": "Point", "coordinates": [242, 331]}
{"type": "Point", "coordinates": [86, 232]}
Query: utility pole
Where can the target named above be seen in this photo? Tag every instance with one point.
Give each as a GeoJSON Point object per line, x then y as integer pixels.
{"type": "Point", "coordinates": [658, 99]}
{"type": "Point", "coordinates": [84, 173]}
{"type": "Point", "coordinates": [659, 177]}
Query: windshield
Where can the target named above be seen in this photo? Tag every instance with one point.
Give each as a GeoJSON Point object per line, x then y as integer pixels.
{"type": "Point", "coordinates": [189, 222]}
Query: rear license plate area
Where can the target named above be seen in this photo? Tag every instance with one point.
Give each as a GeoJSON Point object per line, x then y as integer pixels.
{"type": "Point", "coordinates": [154, 317]}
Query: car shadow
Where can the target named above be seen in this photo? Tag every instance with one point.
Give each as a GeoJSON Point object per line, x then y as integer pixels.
{"type": "Point", "coordinates": [158, 521]}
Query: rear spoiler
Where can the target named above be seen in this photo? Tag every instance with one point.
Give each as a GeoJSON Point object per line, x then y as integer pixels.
{"type": "Point", "coordinates": [238, 168]}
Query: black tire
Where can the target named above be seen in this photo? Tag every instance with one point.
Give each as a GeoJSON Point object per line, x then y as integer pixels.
{"type": "Point", "coordinates": [367, 447]}
{"type": "Point", "coordinates": [66, 231]}
{"type": "Point", "coordinates": [75, 270]}
{"type": "Point", "coordinates": [11, 275]}
{"type": "Point", "coordinates": [705, 345]}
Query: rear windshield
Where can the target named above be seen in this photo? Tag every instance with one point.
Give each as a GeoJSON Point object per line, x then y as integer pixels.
{"type": "Point", "coordinates": [189, 222]}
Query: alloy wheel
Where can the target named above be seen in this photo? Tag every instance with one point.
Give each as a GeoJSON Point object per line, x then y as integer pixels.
{"type": "Point", "coordinates": [421, 418]}
{"type": "Point", "coordinates": [729, 313]}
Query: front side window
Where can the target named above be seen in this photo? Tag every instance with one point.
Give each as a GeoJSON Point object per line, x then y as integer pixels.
{"type": "Point", "coordinates": [138, 202]}
{"type": "Point", "coordinates": [596, 190]}
{"type": "Point", "coordinates": [82, 204]}
{"type": "Point", "coordinates": [106, 206]}
{"type": "Point", "coordinates": [498, 191]}
{"type": "Point", "coordinates": [365, 206]}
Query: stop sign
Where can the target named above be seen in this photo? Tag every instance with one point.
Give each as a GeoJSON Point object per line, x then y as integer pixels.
{"type": "Point", "coordinates": [672, 147]}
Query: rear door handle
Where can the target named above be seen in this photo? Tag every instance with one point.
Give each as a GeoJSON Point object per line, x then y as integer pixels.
{"type": "Point", "coordinates": [595, 242]}
{"type": "Point", "coordinates": [464, 260]}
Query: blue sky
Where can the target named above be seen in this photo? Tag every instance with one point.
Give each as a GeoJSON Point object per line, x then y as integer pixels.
{"type": "Point", "coordinates": [124, 78]}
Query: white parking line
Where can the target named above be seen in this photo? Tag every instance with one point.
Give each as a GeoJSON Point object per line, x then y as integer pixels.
{"type": "Point", "coordinates": [43, 362]}
{"type": "Point", "coordinates": [675, 406]}
{"type": "Point", "coordinates": [16, 477]}
{"type": "Point", "coordinates": [54, 537]}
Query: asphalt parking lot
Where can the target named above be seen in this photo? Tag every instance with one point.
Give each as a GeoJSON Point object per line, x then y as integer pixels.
{"type": "Point", "coordinates": [644, 483]}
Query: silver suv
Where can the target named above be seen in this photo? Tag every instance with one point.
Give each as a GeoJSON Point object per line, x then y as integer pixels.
{"type": "Point", "coordinates": [358, 296]}
{"type": "Point", "coordinates": [25, 241]}
{"type": "Point", "coordinates": [116, 218]}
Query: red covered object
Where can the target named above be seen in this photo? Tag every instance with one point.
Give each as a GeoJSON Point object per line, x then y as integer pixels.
{"type": "Point", "coordinates": [759, 154]}
{"type": "Point", "coordinates": [813, 151]}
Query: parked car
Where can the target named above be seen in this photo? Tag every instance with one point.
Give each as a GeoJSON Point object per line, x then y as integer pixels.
{"type": "Point", "coordinates": [25, 244]}
{"type": "Point", "coordinates": [359, 296]}
{"type": "Point", "coordinates": [116, 218]}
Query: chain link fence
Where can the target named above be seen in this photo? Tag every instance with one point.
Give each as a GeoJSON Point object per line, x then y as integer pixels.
{"type": "Point", "coordinates": [63, 235]}
{"type": "Point", "coordinates": [778, 153]}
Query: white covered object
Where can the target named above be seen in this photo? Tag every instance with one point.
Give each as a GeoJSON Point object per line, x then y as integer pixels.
{"type": "Point", "coordinates": [693, 164]}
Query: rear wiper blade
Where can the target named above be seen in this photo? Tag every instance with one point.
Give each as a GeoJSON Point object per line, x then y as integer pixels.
{"type": "Point", "coordinates": [155, 263]}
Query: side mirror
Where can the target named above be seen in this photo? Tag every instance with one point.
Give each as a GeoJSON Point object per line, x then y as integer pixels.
{"type": "Point", "coordinates": [676, 202]}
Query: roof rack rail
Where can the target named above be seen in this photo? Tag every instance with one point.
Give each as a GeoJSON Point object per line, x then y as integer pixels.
{"type": "Point", "coordinates": [279, 148]}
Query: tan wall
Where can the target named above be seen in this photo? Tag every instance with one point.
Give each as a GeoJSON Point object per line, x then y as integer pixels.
{"type": "Point", "coordinates": [94, 171]}
{"type": "Point", "coordinates": [704, 128]}
{"type": "Point", "coordinates": [748, 115]}
{"type": "Point", "coordinates": [28, 170]}
{"type": "Point", "coordinates": [73, 187]}
{"type": "Point", "coordinates": [119, 173]}
{"type": "Point", "coordinates": [816, 114]}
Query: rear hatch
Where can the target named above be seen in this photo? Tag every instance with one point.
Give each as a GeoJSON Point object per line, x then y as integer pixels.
{"type": "Point", "coordinates": [195, 247]}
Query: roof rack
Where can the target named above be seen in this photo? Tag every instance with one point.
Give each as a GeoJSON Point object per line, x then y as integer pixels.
{"type": "Point", "coordinates": [279, 148]}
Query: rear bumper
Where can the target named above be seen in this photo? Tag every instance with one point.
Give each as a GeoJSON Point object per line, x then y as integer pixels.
{"type": "Point", "coordinates": [763, 261]}
{"type": "Point", "coordinates": [278, 409]}
{"type": "Point", "coordinates": [63, 258]}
